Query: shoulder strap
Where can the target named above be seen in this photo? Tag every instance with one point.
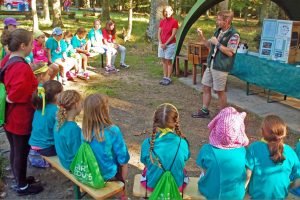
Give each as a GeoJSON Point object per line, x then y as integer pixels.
{"type": "Point", "coordinates": [12, 60]}
{"type": "Point", "coordinates": [158, 159]}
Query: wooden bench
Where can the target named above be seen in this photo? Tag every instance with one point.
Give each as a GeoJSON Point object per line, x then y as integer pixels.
{"type": "Point", "coordinates": [27, 14]}
{"type": "Point", "coordinates": [190, 192]}
{"type": "Point", "coordinates": [102, 57]}
{"type": "Point", "coordinates": [111, 188]}
{"type": "Point", "coordinates": [71, 15]}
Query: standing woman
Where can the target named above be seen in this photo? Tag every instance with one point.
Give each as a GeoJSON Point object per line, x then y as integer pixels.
{"type": "Point", "coordinates": [167, 43]}
{"type": "Point", "coordinates": [20, 84]}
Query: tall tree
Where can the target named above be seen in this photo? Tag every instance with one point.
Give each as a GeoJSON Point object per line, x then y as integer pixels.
{"type": "Point", "coordinates": [34, 15]}
{"type": "Point", "coordinates": [46, 11]}
{"type": "Point", "coordinates": [128, 35]}
{"type": "Point", "coordinates": [105, 10]}
{"type": "Point", "coordinates": [155, 16]}
{"type": "Point", "coordinates": [56, 14]}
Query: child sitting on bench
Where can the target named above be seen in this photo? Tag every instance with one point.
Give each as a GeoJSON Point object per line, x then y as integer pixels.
{"type": "Point", "coordinates": [165, 141]}
{"type": "Point", "coordinates": [42, 138]}
{"type": "Point", "coordinates": [67, 134]}
{"type": "Point", "coordinates": [106, 138]}
{"type": "Point", "coordinates": [223, 160]}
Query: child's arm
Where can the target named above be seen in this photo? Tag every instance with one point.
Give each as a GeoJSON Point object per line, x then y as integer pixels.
{"type": "Point", "coordinates": [124, 170]}
{"type": "Point", "coordinates": [249, 173]}
{"type": "Point", "coordinates": [49, 56]}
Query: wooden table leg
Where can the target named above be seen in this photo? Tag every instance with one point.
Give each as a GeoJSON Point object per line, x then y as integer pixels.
{"type": "Point", "coordinates": [185, 68]}
{"type": "Point", "coordinates": [194, 74]}
{"type": "Point", "coordinates": [177, 66]}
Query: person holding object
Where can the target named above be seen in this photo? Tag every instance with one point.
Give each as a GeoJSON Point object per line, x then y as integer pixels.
{"type": "Point", "coordinates": [167, 43]}
{"type": "Point", "coordinates": [223, 46]}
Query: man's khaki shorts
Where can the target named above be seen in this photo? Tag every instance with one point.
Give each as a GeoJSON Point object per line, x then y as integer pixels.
{"type": "Point", "coordinates": [215, 79]}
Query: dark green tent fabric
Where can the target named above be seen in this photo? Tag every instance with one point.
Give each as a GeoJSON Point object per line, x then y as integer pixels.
{"type": "Point", "coordinates": [291, 8]}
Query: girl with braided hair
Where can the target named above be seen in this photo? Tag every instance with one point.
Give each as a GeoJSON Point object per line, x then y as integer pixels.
{"type": "Point", "coordinates": [67, 134]}
{"type": "Point", "coordinates": [271, 163]}
{"type": "Point", "coordinates": [105, 138]}
{"type": "Point", "coordinates": [166, 148]}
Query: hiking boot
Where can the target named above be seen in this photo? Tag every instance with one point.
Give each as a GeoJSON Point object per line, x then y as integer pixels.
{"type": "Point", "coordinates": [201, 114]}
{"type": "Point", "coordinates": [29, 189]}
{"type": "Point", "coordinates": [124, 66]}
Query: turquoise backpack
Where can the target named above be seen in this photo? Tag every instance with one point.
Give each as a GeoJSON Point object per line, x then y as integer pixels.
{"type": "Point", "coordinates": [10, 62]}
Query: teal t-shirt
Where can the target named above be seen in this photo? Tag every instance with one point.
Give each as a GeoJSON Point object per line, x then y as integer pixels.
{"type": "Point", "coordinates": [225, 172]}
{"type": "Point", "coordinates": [96, 37]}
{"type": "Point", "coordinates": [57, 48]}
{"type": "Point", "coordinates": [43, 127]}
{"type": "Point", "coordinates": [29, 58]}
{"type": "Point", "coordinates": [298, 149]}
{"type": "Point", "coordinates": [270, 180]}
{"type": "Point", "coordinates": [67, 142]}
{"type": "Point", "coordinates": [78, 43]}
{"type": "Point", "coordinates": [111, 152]}
{"type": "Point", "coordinates": [165, 147]}
{"type": "Point", "coordinates": [70, 49]}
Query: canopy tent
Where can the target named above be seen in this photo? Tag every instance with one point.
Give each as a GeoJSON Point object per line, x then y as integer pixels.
{"type": "Point", "coordinates": [291, 8]}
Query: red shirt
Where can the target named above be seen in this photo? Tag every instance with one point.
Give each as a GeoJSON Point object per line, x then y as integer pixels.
{"type": "Point", "coordinates": [108, 36]}
{"type": "Point", "coordinates": [166, 26]}
{"type": "Point", "coordinates": [20, 83]}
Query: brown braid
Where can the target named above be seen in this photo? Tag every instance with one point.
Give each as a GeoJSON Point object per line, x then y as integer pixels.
{"type": "Point", "coordinates": [66, 101]}
{"type": "Point", "coordinates": [165, 116]}
{"type": "Point", "coordinates": [274, 131]}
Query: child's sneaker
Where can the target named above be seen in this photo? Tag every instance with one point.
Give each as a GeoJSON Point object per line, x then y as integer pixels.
{"type": "Point", "coordinates": [64, 81]}
{"type": "Point", "coordinates": [69, 76]}
{"type": "Point", "coordinates": [86, 74]}
{"type": "Point", "coordinates": [109, 69]}
{"type": "Point", "coordinates": [123, 65]}
{"type": "Point", "coordinates": [29, 189]}
{"type": "Point", "coordinates": [83, 75]}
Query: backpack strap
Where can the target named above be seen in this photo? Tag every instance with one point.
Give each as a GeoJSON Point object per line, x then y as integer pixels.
{"type": "Point", "coordinates": [11, 61]}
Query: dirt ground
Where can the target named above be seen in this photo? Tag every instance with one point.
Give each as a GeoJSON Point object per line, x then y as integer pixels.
{"type": "Point", "coordinates": [136, 95]}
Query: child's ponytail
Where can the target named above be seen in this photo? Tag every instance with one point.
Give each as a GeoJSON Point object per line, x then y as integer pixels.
{"type": "Point", "coordinates": [274, 131]}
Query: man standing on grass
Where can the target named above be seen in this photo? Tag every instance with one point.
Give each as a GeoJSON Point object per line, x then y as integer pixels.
{"type": "Point", "coordinates": [223, 46]}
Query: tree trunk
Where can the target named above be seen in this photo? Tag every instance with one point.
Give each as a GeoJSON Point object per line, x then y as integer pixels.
{"type": "Point", "coordinates": [86, 3]}
{"type": "Point", "coordinates": [155, 16]}
{"type": "Point", "coordinates": [46, 11]}
{"type": "Point", "coordinates": [34, 15]}
{"type": "Point", "coordinates": [57, 14]}
{"type": "Point", "coordinates": [105, 10]}
{"type": "Point", "coordinates": [224, 5]}
{"type": "Point", "coordinates": [128, 35]}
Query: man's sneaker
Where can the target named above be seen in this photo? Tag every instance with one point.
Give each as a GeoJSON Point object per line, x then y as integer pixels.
{"type": "Point", "coordinates": [123, 65]}
{"type": "Point", "coordinates": [29, 189]}
{"type": "Point", "coordinates": [201, 114]}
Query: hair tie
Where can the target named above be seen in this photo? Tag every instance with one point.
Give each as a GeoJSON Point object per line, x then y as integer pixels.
{"type": "Point", "coordinates": [41, 70]}
{"type": "Point", "coordinates": [41, 94]}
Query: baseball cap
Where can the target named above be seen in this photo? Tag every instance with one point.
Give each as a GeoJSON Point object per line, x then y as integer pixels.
{"type": "Point", "coordinates": [38, 33]}
{"type": "Point", "coordinates": [10, 21]}
{"type": "Point", "coordinates": [57, 31]}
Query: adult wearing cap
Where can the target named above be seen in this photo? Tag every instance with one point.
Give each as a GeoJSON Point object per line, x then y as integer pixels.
{"type": "Point", "coordinates": [57, 55]}
{"type": "Point", "coordinates": [223, 160]}
{"type": "Point", "coordinates": [10, 24]}
{"type": "Point", "coordinates": [40, 53]}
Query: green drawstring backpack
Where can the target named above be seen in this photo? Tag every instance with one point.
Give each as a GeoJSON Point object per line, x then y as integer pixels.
{"type": "Point", "coordinates": [11, 61]}
{"type": "Point", "coordinates": [166, 188]}
{"type": "Point", "coordinates": [85, 167]}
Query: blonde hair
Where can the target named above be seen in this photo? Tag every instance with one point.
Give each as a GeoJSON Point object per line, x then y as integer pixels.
{"type": "Point", "coordinates": [164, 10]}
{"type": "Point", "coordinates": [274, 131]}
{"type": "Point", "coordinates": [165, 116]}
{"type": "Point", "coordinates": [95, 117]}
{"type": "Point", "coordinates": [226, 14]}
{"type": "Point", "coordinates": [66, 101]}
